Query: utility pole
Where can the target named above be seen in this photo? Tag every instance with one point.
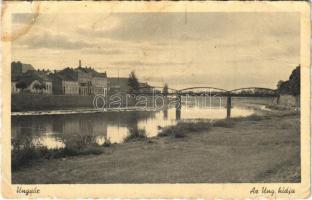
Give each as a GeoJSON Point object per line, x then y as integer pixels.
{"type": "Point", "coordinates": [228, 106]}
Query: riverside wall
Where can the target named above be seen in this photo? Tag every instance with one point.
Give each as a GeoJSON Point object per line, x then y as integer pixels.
{"type": "Point", "coordinates": [31, 102]}
{"type": "Point", "coordinates": [49, 102]}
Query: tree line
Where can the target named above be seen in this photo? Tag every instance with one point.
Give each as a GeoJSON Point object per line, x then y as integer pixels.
{"type": "Point", "coordinates": [134, 84]}
{"type": "Point", "coordinates": [292, 85]}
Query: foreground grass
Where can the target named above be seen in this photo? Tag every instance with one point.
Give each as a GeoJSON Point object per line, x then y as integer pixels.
{"type": "Point", "coordinates": [250, 149]}
{"type": "Point", "coordinates": [22, 157]}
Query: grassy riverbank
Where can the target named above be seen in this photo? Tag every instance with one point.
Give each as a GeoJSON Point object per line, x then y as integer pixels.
{"type": "Point", "coordinates": [250, 149]}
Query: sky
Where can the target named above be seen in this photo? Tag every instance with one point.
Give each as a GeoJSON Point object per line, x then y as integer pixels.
{"type": "Point", "coordinates": [218, 49]}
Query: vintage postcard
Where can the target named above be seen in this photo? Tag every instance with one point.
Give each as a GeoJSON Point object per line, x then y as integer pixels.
{"type": "Point", "coordinates": [155, 100]}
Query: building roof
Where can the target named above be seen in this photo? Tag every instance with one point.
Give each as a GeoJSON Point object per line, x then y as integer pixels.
{"type": "Point", "coordinates": [91, 71]}
{"type": "Point", "coordinates": [123, 82]}
{"type": "Point", "coordinates": [27, 67]}
{"type": "Point", "coordinates": [103, 74]}
{"type": "Point", "coordinates": [67, 74]}
{"type": "Point", "coordinates": [33, 75]}
{"type": "Point", "coordinates": [145, 85]}
{"type": "Point", "coordinates": [18, 67]}
{"type": "Point", "coordinates": [28, 80]}
{"type": "Point", "coordinates": [62, 77]}
{"type": "Point", "coordinates": [117, 80]}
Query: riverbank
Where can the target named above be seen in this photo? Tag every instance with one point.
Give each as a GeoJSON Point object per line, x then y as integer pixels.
{"type": "Point", "coordinates": [38, 104]}
{"type": "Point", "coordinates": [250, 149]}
{"type": "Point", "coordinates": [51, 103]}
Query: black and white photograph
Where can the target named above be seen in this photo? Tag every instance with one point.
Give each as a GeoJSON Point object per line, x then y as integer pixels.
{"type": "Point", "coordinates": [141, 97]}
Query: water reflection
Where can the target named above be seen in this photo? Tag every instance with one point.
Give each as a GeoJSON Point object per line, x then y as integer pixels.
{"type": "Point", "coordinates": [49, 142]}
{"type": "Point", "coordinates": [58, 131]}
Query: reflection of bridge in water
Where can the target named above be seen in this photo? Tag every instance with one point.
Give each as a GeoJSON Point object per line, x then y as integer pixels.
{"type": "Point", "coordinates": [213, 91]}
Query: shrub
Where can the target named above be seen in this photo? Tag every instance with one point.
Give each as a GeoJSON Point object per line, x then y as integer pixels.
{"type": "Point", "coordinates": [166, 131]}
{"type": "Point", "coordinates": [277, 107]}
{"type": "Point", "coordinates": [95, 150]}
{"type": "Point", "coordinates": [179, 135]}
{"type": "Point", "coordinates": [253, 117]}
{"type": "Point", "coordinates": [184, 127]}
{"type": "Point", "coordinates": [135, 134]}
{"type": "Point", "coordinates": [22, 156]}
{"type": "Point", "coordinates": [163, 134]}
{"type": "Point", "coordinates": [224, 123]}
{"type": "Point", "coordinates": [107, 143]}
{"type": "Point", "coordinates": [150, 141]}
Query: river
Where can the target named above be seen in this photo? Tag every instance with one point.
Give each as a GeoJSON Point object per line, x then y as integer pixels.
{"type": "Point", "coordinates": [57, 129]}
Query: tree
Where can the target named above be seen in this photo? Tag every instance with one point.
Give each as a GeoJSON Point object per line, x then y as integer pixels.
{"type": "Point", "coordinates": [291, 86]}
{"type": "Point", "coordinates": [133, 82]}
{"type": "Point", "coordinates": [165, 89]}
{"type": "Point", "coordinates": [283, 87]}
{"type": "Point", "coordinates": [21, 85]}
{"type": "Point", "coordinates": [43, 86]}
{"type": "Point", "coordinates": [279, 84]}
{"type": "Point", "coordinates": [294, 82]}
{"type": "Point", "coordinates": [37, 86]}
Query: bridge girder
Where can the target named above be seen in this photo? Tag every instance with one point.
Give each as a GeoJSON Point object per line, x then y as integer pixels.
{"type": "Point", "coordinates": [175, 91]}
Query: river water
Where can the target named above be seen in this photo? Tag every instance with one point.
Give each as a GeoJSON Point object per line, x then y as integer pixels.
{"type": "Point", "coordinates": [58, 130]}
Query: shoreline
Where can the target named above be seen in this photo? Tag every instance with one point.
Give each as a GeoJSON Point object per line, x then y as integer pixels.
{"type": "Point", "coordinates": [254, 106]}
{"type": "Point", "coordinates": [87, 106]}
{"type": "Point", "coordinates": [75, 111]}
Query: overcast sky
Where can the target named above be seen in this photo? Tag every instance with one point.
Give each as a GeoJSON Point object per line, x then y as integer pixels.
{"type": "Point", "coordinates": [226, 50]}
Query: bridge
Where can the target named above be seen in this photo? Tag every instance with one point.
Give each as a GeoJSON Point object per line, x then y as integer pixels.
{"type": "Point", "coordinates": [239, 92]}
{"type": "Point", "coordinates": [213, 91]}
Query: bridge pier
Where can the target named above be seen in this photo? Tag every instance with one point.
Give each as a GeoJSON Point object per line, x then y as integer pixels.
{"type": "Point", "coordinates": [165, 111]}
{"type": "Point", "coordinates": [228, 106]}
{"type": "Point", "coordinates": [178, 107]}
{"type": "Point", "coordinates": [178, 114]}
{"type": "Point", "coordinates": [278, 99]}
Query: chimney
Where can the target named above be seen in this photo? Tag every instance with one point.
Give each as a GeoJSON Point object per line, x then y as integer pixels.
{"type": "Point", "coordinates": [79, 63]}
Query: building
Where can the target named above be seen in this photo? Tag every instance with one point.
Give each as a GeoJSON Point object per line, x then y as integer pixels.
{"type": "Point", "coordinates": [65, 82]}
{"type": "Point", "coordinates": [84, 79]}
{"type": "Point", "coordinates": [145, 88]}
{"type": "Point", "coordinates": [90, 81]}
{"type": "Point", "coordinates": [14, 81]}
{"type": "Point", "coordinates": [118, 85]}
{"type": "Point", "coordinates": [99, 83]}
{"type": "Point", "coordinates": [32, 82]}
{"type": "Point", "coordinates": [24, 78]}
{"type": "Point", "coordinates": [79, 81]}
{"type": "Point", "coordinates": [18, 68]}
